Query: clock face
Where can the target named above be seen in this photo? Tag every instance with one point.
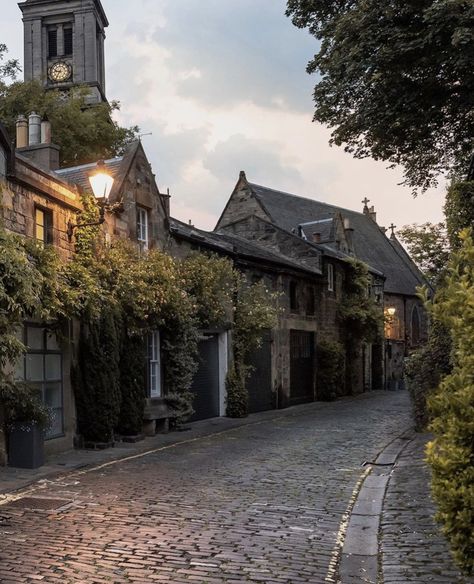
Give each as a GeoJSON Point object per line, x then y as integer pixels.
{"type": "Point", "coordinates": [60, 71]}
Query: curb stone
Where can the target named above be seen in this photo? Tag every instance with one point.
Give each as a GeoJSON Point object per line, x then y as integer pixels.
{"type": "Point", "coordinates": [359, 559]}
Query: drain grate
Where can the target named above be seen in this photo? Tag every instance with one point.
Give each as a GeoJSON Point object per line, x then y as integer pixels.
{"type": "Point", "coordinates": [38, 504]}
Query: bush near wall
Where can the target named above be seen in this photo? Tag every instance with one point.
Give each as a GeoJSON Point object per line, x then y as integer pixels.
{"type": "Point", "coordinates": [330, 370]}
{"type": "Point", "coordinates": [424, 370]}
{"type": "Point", "coordinates": [451, 453]}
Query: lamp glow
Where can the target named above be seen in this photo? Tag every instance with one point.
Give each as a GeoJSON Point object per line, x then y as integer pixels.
{"type": "Point", "coordinates": [101, 181]}
{"type": "Point", "coordinates": [391, 311]}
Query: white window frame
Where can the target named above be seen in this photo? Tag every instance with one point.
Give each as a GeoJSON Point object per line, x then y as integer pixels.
{"type": "Point", "coordinates": [154, 364]}
{"type": "Point", "coordinates": [330, 277]}
{"type": "Point", "coordinates": [142, 226]}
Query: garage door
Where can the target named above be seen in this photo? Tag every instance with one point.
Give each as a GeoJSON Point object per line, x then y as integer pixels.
{"type": "Point", "coordinates": [205, 385]}
{"type": "Point", "coordinates": [259, 384]}
{"type": "Point", "coordinates": [302, 365]}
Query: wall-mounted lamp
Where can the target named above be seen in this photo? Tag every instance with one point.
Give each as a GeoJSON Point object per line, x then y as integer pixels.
{"type": "Point", "coordinates": [391, 311]}
{"type": "Point", "coordinates": [101, 183]}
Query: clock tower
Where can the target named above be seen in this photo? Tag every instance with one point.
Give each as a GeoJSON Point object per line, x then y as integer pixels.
{"type": "Point", "coordinates": [64, 44]}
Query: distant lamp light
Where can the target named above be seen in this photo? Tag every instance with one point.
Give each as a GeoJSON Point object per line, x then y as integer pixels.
{"type": "Point", "coordinates": [391, 311]}
{"type": "Point", "coordinates": [101, 181]}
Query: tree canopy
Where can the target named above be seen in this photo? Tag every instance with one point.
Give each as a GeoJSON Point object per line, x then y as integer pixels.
{"type": "Point", "coordinates": [395, 80]}
{"type": "Point", "coordinates": [84, 133]}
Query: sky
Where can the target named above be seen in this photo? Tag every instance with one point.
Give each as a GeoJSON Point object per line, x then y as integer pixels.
{"type": "Point", "coordinates": [222, 87]}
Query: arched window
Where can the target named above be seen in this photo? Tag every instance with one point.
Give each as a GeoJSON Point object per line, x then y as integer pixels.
{"type": "Point", "coordinates": [415, 326]}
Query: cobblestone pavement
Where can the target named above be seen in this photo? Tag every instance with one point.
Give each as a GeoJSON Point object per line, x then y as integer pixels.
{"type": "Point", "coordinates": [260, 503]}
{"type": "Point", "coordinates": [413, 550]}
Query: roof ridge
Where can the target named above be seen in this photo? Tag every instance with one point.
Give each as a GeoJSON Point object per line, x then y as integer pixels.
{"type": "Point", "coordinates": [87, 165]}
{"type": "Point", "coordinates": [305, 198]}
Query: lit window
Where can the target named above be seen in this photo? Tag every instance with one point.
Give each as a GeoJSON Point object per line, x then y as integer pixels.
{"type": "Point", "coordinates": [154, 364]}
{"type": "Point", "coordinates": [43, 225]}
{"type": "Point", "coordinates": [330, 278]}
{"type": "Point", "coordinates": [142, 227]}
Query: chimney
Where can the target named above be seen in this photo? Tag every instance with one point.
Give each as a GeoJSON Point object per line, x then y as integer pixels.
{"type": "Point", "coordinates": [373, 214]}
{"type": "Point", "coordinates": [21, 132]}
{"type": "Point", "coordinates": [349, 232]}
{"type": "Point", "coordinates": [316, 237]}
{"type": "Point", "coordinates": [34, 141]}
{"type": "Point", "coordinates": [34, 122]}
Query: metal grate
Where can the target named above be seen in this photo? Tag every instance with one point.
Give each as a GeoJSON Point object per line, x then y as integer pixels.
{"type": "Point", "coordinates": [38, 503]}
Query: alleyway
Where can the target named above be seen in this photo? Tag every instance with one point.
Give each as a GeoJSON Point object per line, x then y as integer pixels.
{"type": "Point", "coordinates": [265, 502]}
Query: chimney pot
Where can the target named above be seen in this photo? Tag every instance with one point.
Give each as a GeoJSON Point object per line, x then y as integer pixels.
{"type": "Point", "coordinates": [34, 122]}
{"type": "Point", "coordinates": [45, 132]}
{"type": "Point", "coordinates": [21, 132]}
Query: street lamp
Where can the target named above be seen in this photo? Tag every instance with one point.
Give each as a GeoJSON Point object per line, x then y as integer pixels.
{"type": "Point", "coordinates": [101, 183]}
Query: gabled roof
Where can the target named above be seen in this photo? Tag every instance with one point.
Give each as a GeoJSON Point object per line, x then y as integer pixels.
{"type": "Point", "coordinates": [234, 245]}
{"type": "Point", "coordinates": [79, 175]}
{"type": "Point", "coordinates": [371, 245]}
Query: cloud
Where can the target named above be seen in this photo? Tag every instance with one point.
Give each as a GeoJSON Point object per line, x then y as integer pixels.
{"type": "Point", "coordinates": [259, 158]}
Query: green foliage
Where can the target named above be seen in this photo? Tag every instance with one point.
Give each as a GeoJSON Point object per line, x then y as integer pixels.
{"type": "Point", "coordinates": [358, 311]}
{"type": "Point", "coordinates": [180, 408]}
{"type": "Point", "coordinates": [237, 394]}
{"type": "Point", "coordinates": [84, 133]}
{"type": "Point", "coordinates": [22, 405]}
{"type": "Point", "coordinates": [209, 281]}
{"type": "Point", "coordinates": [451, 453]}
{"type": "Point", "coordinates": [429, 247]}
{"type": "Point", "coordinates": [330, 370]}
{"type": "Point", "coordinates": [424, 370]}
{"type": "Point", "coordinates": [395, 80]}
{"type": "Point", "coordinates": [8, 69]}
{"type": "Point", "coordinates": [459, 210]}
{"type": "Point", "coordinates": [132, 376]}
{"type": "Point", "coordinates": [97, 377]}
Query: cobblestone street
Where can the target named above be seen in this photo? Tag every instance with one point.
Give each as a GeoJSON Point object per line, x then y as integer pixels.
{"type": "Point", "coordinates": [261, 503]}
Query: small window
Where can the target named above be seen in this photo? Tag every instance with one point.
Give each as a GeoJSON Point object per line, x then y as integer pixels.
{"type": "Point", "coordinates": [330, 278]}
{"type": "Point", "coordinates": [154, 364]}
{"type": "Point", "coordinates": [294, 296]}
{"type": "Point", "coordinates": [43, 225]}
{"type": "Point", "coordinates": [68, 41]}
{"type": "Point", "coordinates": [311, 302]}
{"type": "Point", "coordinates": [142, 227]}
{"type": "Point", "coordinates": [52, 42]}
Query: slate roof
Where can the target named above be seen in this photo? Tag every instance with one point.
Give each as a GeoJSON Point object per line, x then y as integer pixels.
{"type": "Point", "coordinates": [370, 244]}
{"type": "Point", "coordinates": [79, 175]}
{"type": "Point", "coordinates": [235, 245]}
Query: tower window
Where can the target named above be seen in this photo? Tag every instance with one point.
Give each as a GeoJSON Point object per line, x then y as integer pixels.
{"type": "Point", "coordinates": [68, 41]}
{"type": "Point", "coordinates": [52, 42]}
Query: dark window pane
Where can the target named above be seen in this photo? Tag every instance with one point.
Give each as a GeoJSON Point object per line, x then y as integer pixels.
{"type": "Point", "coordinates": [53, 43]}
{"type": "Point", "coordinates": [68, 41]}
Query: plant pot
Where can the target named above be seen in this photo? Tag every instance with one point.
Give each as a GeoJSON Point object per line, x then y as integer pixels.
{"type": "Point", "coordinates": [26, 447]}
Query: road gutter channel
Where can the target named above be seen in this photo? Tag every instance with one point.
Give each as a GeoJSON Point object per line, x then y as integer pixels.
{"type": "Point", "coordinates": [359, 561]}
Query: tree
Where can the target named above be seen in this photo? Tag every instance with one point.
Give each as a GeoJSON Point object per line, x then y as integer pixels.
{"type": "Point", "coordinates": [428, 245]}
{"type": "Point", "coordinates": [459, 210]}
{"type": "Point", "coordinates": [84, 133]}
{"type": "Point", "coordinates": [396, 80]}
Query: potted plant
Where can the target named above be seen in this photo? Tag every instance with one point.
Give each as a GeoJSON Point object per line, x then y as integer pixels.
{"type": "Point", "coordinates": [26, 419]}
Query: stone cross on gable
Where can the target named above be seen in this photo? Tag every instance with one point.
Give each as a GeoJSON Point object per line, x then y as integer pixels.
{"type": "Point", "coordinates": [392, 227]}
{"type": "Point", "coordinates": [366, 201]}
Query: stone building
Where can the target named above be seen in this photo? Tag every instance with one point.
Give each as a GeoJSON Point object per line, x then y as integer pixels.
{"type": "Point", "coordinates": [64, 44]}
{"type": "Point", "coordinates": [346, 233]}
{"type": "Point", "coordinates": [37, 204]}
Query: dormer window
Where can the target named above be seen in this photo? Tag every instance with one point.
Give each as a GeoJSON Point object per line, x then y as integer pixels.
{"type": "Point", "coordinates": [142, 227]}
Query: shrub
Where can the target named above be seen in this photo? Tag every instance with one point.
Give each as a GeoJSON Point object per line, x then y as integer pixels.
{"type": "Point", "coordinates": [237, 395]}
{"type": "Point", "coordinates": [23, 406]}
{"type": "Point", "coordinates": [180, 407]}
{"type": "Point", "coordinates": [132, 376]}
{"type": "Point", "coordinates": [424, 370]}
{"type": "Point", "coordinates": [330, 370]}
{"type": "Point", "coordinates": [451, 453]}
